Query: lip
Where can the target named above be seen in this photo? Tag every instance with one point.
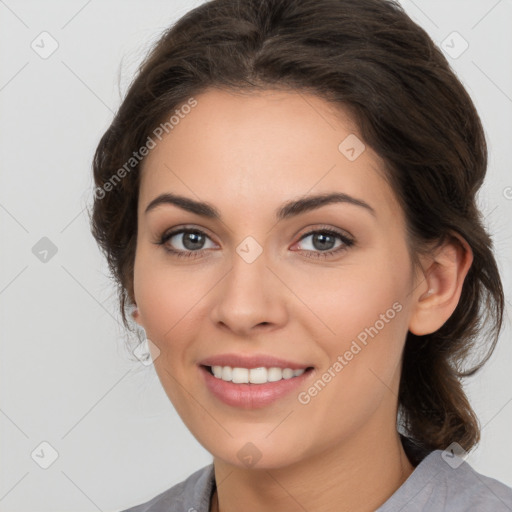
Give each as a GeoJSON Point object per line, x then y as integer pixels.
{"type": "Point", "coordinates": [251, 396]}
{"type": "Point", "coordinates": [252, 361]}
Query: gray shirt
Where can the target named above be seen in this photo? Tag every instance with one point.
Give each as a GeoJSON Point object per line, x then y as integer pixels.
{"type": "Point", "coordinates": [437, 484]}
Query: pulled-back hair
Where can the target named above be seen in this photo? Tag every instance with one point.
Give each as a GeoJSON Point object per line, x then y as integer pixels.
{"type": "Point", "coordinates": [369, 58]}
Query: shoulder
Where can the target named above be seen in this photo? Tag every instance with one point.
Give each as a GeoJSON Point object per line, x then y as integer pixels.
{"type": "Point", "coordinates": [192, 494]}
{"type": "Point", "coordinates": [444, 483]}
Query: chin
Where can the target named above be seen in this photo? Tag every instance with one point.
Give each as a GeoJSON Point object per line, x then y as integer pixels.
{"type": "Point", "coordinates": [257, 454]}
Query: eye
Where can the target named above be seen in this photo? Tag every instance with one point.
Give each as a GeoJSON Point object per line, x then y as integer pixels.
{"type": "Point", "coordinates": [187, 243]}
{"type": "Point", "coordinates": [322, 243]}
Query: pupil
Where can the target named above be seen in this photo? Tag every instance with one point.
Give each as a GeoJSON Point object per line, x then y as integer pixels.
{"type": "Point", "coordinates": [322, 241]}
{"type": "Point", "coordinates": [196, 241]}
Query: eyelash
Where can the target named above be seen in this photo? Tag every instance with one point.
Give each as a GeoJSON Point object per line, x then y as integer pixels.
{"type": "Point", "coordinates": [347, 242]}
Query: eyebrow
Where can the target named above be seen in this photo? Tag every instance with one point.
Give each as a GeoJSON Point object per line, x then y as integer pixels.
{"type": "Point", "coordinates": [289, 209]}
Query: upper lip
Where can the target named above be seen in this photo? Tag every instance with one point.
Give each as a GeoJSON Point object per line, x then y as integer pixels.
{"type": "Point", "coordinates": [251, 361]}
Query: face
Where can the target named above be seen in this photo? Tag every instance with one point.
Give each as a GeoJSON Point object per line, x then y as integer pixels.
{"type": "Point", "coordinates": [323, 288]}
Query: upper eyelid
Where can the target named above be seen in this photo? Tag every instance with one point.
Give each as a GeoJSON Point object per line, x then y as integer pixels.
{"type": "Point", "coordinates": [169, 233]}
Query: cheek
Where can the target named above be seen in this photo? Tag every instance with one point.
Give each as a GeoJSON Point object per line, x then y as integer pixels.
{"type": "Point", "coordinates": [157, 297]}
{"type": "Point", "coordinates": [169, 298]}
{"type": "Point", "coordinates": [348, 299]}
{"type": "Point", "coordinates": [361, 316]}
{"type": "Point", "coordinates": [361, 358]}
{"type": "Point", "coordinates": [166, 299]}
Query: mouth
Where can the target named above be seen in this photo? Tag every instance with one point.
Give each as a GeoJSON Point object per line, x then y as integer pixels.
{"type": "Point", "coordinates": [253, 388]}
{"type": "Point", "coordinates": [260, 375]}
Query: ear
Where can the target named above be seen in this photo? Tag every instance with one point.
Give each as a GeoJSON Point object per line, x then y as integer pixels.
{"type": "Point", "coordinates": [444, 272]}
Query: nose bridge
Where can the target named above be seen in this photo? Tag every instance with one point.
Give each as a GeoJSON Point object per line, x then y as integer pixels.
{"type": "Point", "coordinates": [249, 296]}
{"type": "Point", "coordinates": [248, 278]}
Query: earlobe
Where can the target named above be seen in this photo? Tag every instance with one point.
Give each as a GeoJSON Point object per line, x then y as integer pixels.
{"type": "Point", "coordinates": [444, 274]}
{"type": "Point", "coordinates": [135, 314]}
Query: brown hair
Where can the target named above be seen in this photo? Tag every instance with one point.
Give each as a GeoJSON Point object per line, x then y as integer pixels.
{"type": "Point", "coordinates": [369, 57]}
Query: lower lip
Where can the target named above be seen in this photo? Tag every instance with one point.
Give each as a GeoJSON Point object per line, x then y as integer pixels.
{"type": "Point", "coordinates": [251, 396]}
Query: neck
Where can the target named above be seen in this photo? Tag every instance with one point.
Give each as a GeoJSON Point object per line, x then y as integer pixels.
{"type": "Point", "coordinates": [356, 476]}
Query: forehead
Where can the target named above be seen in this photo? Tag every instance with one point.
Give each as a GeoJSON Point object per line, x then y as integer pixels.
{"type": "Point", "coordinates": [263, 149]}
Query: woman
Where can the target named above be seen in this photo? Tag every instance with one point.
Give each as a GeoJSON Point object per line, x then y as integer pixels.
{"type": "Point", "coordinates": [286, 198]}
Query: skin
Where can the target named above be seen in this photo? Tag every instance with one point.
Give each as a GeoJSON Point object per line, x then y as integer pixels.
{"type": "Point", "coordinates": [247, 154]}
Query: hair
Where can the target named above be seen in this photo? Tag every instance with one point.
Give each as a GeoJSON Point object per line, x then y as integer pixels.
{"type": "Point", "coordinates": [370, 58]}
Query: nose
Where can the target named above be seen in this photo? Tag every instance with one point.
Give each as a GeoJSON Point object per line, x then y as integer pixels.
{"type": "Point", "coordinates": [250, 298]}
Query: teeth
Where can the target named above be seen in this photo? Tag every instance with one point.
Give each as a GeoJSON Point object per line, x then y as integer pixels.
{"type": "Point", "coordinates": [254, 375]}
{"type": "Point", "coordinates": [239, 375]}
{"type": "Point", "coordinates": [217, 371]}
{"type": "Point", "coordinates": [257, 375]}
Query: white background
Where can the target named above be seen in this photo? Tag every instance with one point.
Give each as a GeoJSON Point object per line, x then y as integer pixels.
{"type": "Point", "coordinates": [67, 377]}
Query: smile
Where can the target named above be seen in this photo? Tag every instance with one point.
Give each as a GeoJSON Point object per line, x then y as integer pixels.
{"type": "Point", "coordinates": [259, 375]}
{"type": "Point", "coordinates": [252, 388]}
